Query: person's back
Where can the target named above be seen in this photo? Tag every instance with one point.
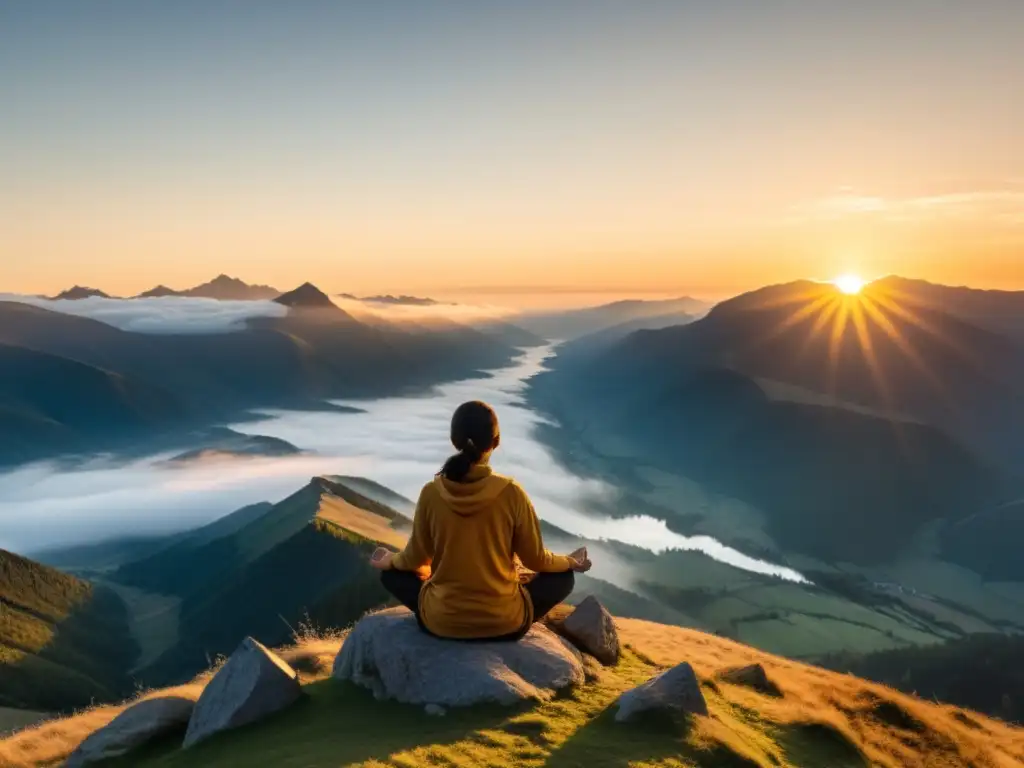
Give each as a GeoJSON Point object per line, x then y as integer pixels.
{"type": "Point", "coordinates": [470, 525]}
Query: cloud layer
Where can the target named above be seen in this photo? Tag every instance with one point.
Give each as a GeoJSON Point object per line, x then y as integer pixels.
{"type": "Point", "coordinates": [998, 205]}
{"type": "Point", "coordinates": [161, 315]}
{"type": "Point", "coordinates": [399, 442]}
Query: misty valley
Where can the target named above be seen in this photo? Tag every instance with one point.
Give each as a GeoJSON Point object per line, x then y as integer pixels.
{"type": "Point", "coordinates": [722, 477]}
{"type": "Point", "coordinates": [527, 385]}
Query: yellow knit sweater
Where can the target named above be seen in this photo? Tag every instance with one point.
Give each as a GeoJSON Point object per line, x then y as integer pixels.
{"type": "Point", "coordinates": [466, 536]}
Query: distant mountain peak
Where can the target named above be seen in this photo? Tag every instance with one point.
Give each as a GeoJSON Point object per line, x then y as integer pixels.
{"type": "Point", "coordinates": [306, 296]}
{"type": "Point", "coordinates": [158, 292]}
{"type": "Point", "coordinates": [223, 279]}
{"type": "Point", "coordinates": [81, 292]}
{"type": "Point", "coordinates": [227, 288]}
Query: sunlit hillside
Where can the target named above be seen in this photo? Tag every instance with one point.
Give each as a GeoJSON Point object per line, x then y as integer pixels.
{"type": "Point", "coordinates": [63, 642]}
{"type": "Point", "coordinates": [819, 719]}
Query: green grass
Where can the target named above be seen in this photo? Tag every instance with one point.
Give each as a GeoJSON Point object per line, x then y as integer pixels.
{"type": "Point", "coordinates": [814, 719]}
{"type": "Point", "coordinates": [63, 642]}
{"type": "Point", "coordinates": [39, 590]}
{"type": "Point", "coordinates": [338, 724]}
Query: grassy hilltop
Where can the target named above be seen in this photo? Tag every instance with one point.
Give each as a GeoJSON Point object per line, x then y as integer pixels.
{"type": "Point", "coordinates": [820, 719]}
{"type": "Point", "coordinates": [323, 532]}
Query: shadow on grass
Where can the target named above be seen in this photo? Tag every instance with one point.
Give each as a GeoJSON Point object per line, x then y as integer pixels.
{"type": "Point", "coordinates": [336, 724]}
{"type": "Point", "coordinates": [811, 745]}
{"type": "Point", "coordinates": [603, 743]}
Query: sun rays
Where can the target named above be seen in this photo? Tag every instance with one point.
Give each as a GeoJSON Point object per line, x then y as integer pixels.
{"type": "Point", "coordinates": [875, 345]}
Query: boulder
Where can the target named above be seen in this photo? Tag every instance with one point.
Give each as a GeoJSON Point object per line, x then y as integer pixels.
{"type": "Point", "coordinates": [389, 654]}
{"type": "Point", "coordinates": [593, 630]}
{"type": "Point", "coordinates": [751, 676]}
{"type": "Point", "coordinates": [252, 684]}
{"type": "Point", "coordinates": [137, 725]}
{"type": "Point", "coordinates": [677, 690]}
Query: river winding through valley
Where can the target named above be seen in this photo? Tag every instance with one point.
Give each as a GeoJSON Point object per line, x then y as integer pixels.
{"type": "Point", "coordinates": [399, 442]}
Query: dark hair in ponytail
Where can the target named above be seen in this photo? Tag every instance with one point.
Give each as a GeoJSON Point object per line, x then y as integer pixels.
{"type": "Point", "coordinates": [474, 433]}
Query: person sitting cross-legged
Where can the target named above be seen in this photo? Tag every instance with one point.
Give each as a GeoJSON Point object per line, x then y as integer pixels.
{"type": "Point", "coordinates": [458, 572]}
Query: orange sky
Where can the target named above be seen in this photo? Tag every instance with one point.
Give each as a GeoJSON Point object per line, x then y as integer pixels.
{"type": "Point", "coordinates": [511, 154]}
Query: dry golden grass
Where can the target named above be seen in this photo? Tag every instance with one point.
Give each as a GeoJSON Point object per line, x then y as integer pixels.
{"type": "Point", "coordinates": [821, 719]}
{"type": "Point", "coordinates": [887, 727]}
{"type": "Point", "coordinates": [15, 719]}
{"type": "Point", "coordinates": [359, 521]}
{"type": "Point", "coordinates": [52, 741]}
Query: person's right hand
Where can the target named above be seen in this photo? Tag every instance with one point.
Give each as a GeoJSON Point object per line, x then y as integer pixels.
{"type": "Point", "coordinates": [381, 558]}
{"type": "Point", "coordinates": [581, 560]}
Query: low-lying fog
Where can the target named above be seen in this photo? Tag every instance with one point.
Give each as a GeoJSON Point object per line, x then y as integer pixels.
{"type": "Point", "coordinates": [160, 314]}
{"type": "Point", "coordinates": [399, 442]}
{"type": "Point", "coordinates": [196, 315]}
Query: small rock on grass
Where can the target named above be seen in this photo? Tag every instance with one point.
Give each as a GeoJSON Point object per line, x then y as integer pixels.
{"type": "Point", "coordinates": [751, 676]}
{"type": "Point", "coordinates": [677, 690]}
{"type": "Point", "coordinates": [252, 684]}
{"type": "Point", "coordinates": [137, 725]}
{"type": "Point", "coordinates": [593, 630]}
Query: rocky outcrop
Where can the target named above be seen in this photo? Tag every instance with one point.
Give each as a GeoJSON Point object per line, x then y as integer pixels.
{"type": "Point", "coordinates": [137, 725]}
{"type": "Point", "coordinates": [751, 676]}
{"type": "Point", "coordinates": [592, 629]}
{"type": "Point", "coordinates": [252, 684]}
{"type": "Point", "coordinates": [387, 653]}
{"type": "Point", "coordinates": [676, 690]}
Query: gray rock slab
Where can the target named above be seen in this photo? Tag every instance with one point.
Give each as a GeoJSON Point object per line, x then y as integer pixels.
{"type": "Point", "coordinates": [593, 630]}
{"type": "Point", "coordinates": [387, 653]}
{"type": "Point", "coordinates": [137, 725]}
{"type": "Point", "coordinates": [676, 690]}
{"type": "Point", "coordinates": [252, 684]}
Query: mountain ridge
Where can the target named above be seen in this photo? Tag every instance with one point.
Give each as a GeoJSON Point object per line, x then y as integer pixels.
{"type": "Point", "coordinates": [311, 355]}
{"type": "Point", "coordinates": [222, 288]}
{"type": "Point", "coordinates": [79, 292]}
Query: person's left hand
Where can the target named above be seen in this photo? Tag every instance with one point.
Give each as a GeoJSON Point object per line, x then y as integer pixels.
{"type": "Point", "coordinates": [381, 558]}
{"type": "Point", "coordinates": [581, 560]}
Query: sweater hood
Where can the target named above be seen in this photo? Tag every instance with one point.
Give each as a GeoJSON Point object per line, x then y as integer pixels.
{"type": "Point", "coordinates": [478, 492]}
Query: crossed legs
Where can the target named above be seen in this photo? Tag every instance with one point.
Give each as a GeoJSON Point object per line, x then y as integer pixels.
{"type": "Point", "coordinates": [546, 590]}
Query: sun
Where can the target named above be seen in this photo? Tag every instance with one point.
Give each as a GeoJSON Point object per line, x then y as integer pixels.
{"type": "Point", "coordinates": [851, 285]}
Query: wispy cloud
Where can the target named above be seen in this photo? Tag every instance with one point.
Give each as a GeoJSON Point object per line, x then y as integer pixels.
{"type": "Point", "coordinates": [1000, 205]}
{"type": "Point", "coordinates": [420, 313]}
{"type": "Point", "coordinates": [163, 315]}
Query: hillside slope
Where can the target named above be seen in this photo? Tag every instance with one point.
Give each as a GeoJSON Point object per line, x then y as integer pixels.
{"type": "Point", "coordinates": [63, 642]}
{"type": "Point", "coordinates": [1001, 311]}
{"type": "Point", "coordinates": [565, 324]}
{"type": "Point", "coordinates": [304, 556]}
{"type": "Point", "coordinates": [821, 719]}
{"type": "Point", "coordinates": [48, 401]}
{"type": "Point", "coordinates": [152, 386]}
{"type": "Point", "coordinates": [984, 672]}
{"type": "Point", "coordinates": [790, 397]}
{"type": "Point", "coordinates": [872, 350]}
